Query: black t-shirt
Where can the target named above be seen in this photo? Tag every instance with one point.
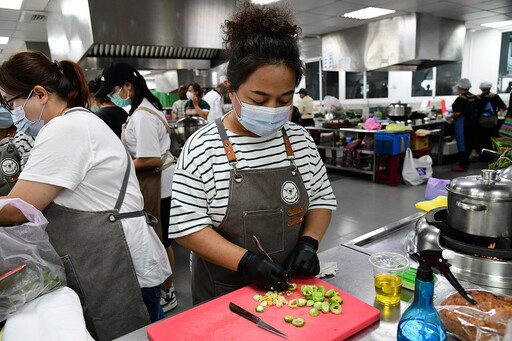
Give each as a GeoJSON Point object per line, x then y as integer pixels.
{"type": "Point", "coordinates": [495, 101]}
{"type": "Point", "coordinates": [467, 105]}
{"type": "Point", "coordinates": [114, 117]}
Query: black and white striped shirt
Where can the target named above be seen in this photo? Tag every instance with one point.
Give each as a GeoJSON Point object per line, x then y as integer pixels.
{"type": "Point", "coordinates": [201, 179]}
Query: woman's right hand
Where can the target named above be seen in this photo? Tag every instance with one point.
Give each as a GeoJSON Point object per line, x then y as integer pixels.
{"type": "Point", "coordinates": [263, 272]}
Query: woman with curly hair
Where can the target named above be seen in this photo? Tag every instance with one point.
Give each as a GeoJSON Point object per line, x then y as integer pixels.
{"type": "Point", "coordinates": [252, 175]}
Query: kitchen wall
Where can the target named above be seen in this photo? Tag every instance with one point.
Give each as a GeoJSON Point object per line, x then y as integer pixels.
{"type": "Point", "coordinates": [480, 62]}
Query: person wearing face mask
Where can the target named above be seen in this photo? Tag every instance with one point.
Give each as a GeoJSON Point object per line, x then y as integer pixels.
{"type": "Point", "coordinates": [83, 180]}
{"type": "Point", "coordinates": [15, 148]}
{"type": "Point", "coordinates": [103, 107]}
{"type": "Point", "coordinates": [252, 172]}
{"type": "Point", "coordinates": [146, 137]}
{"type": "Point", "coordinates": [196, 106]}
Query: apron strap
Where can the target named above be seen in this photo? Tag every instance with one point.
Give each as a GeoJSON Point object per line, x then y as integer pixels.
{"type": "Point", "coordinates": [124, 185]}
{"type": "Point", "coordinates": [228, 147]}
{"type": "Point", "coordinates": [287, 144]}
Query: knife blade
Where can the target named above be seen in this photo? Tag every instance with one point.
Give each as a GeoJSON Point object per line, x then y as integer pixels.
{"type": "Point", "coordinates": [255, 319]}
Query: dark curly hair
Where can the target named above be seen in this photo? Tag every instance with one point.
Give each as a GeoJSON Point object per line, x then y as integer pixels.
{"type": "Point", "coordinates": [258, 35]}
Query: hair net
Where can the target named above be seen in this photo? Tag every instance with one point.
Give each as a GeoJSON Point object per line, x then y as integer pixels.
{"type": "Point", "coordinates": [464, 83]}
{"type": "Point", "coordinates": [485, 85]}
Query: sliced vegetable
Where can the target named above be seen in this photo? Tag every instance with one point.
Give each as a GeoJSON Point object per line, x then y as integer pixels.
{"type": "Point", "coordinates": [257, 297]}
{"type": "Point", "coordinates": [288, 318]}
{"type": "Point", "coordinates": [325, 307]}
{"type": "Point", "coordinates": [293, 303]}
{"type": "Point", "coordinates": [260, 309]}
{"type": "Point", "coordinates": [310, 303]}
{"type": "Point", "coordinates": [313, 312]}
{"type": "Point", "coordinates": [331, 293]}
{"type": "Point", "coordinates": [317, 305]}
{"type": "Point", "coordinates": [317, 296]}
{"type": "Point", "coordinates": [338, 299]}
{"type": "Point", "coordinates": [301, 302]}
{"type": "Point", "coordinates": [298, 322]}
{"type": "Point", "coordinates": [335, 308]}
{"type": "Point", "coordinates": [292, 286]}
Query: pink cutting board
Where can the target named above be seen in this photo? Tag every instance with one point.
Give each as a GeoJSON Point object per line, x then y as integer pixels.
{"type": "Point", "coordinates": [214, 321]}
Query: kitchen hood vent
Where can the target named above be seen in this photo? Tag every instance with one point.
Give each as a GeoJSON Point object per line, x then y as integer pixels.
{"type": "Point", "coordinates": [151, 51]}
{"type": "Point", "coordinates": [403, 43]}
{"type": "Point", "coordinates": [159, 35]}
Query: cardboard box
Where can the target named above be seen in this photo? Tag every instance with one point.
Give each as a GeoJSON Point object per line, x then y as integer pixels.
{"type": "Point", "coordinates": [419, 142]}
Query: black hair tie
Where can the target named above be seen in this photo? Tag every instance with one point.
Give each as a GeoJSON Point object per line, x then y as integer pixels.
{"type": "Point", "coordinates": [58, 65]}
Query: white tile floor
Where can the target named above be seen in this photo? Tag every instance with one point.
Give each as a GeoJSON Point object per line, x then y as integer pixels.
{"type": "Point", "coordinates": [363, 206]}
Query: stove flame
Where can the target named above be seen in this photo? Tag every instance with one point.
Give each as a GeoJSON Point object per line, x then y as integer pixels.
{"type": "Point", "coordinates": [492, 245]}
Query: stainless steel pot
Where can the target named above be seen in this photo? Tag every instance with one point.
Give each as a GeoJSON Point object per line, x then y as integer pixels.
{"type": "Point", "coordinates": [181, 131]}
{"type": "Point", "coordinates": [481, 205]}
{"type": "Point", "coordinates": [398, 111]}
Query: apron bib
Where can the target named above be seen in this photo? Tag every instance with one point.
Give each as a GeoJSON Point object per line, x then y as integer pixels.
{"type": "Point", "coordinates": [99, 267]}
{"type": "Point", "coordinates": [267, 203]}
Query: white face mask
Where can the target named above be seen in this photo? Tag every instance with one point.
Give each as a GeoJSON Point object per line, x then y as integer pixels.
{"type": "Point", "coordinates": [260, 120]}
{"type": "Point", "coordinates": [190, 95]}
{"type": "Point", "coordinates": [23, 124]}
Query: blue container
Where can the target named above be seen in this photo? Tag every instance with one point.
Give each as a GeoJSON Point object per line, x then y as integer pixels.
{"type": "Point", "coordinates": [392, 143]}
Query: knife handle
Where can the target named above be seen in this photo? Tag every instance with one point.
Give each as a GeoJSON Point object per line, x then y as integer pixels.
{"type": "Point", "coordinates": [244, 313]}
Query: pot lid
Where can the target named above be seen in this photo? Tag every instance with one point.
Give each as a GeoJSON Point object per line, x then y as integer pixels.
{"type": "Point", "coordinates": [487, 185]}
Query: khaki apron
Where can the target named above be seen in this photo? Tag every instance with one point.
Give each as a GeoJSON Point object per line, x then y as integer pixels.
{"type": "Point", "coordinates": [267, 203]}
{"type": "Point", "coordinates": [99, 267]}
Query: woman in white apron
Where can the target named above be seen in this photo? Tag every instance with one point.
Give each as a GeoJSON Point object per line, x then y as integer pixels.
{"type": "Point", "coordinates": [81, 177]}
{"type": "Point", "coordinates": [253, 173]}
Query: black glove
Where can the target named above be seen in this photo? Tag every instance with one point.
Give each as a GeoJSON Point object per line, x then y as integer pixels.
{"type": "Point", "coordinates": [303, 260]}
{"type": "Point", "coordinates": [263, 272]}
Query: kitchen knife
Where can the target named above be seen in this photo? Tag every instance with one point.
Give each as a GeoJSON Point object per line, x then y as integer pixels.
{"type": "Point", "coordinates": [253, 318]}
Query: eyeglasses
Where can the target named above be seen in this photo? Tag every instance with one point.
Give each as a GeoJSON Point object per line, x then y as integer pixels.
{"type": "Point", "coordinates": [7, 104]}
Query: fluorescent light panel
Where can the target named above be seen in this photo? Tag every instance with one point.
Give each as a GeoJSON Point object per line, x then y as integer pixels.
{"type": "Point", "coordinates": [4, 40]}
{"type": "Point", "coordinates": [368, 13]}
{"type": "Point", "coordinates": [498, 24]}
{"type": "Point", "coordinates": [11, 4]}
{"type": "Point", "coordinates": [263, 2]}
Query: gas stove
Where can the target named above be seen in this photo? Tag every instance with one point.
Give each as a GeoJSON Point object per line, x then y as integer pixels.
{"type": "Point", "coordinates": [480, 260]}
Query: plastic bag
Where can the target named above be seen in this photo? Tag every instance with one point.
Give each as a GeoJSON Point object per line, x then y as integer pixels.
{"type": "Point", "coordinates": [485, 321]}
{"type": "Point", "coordinates": [416, 171]}
{"type": "Point", "coordinates": [436, 187]}
{"type": "Point", "coordinates": [30, 265]}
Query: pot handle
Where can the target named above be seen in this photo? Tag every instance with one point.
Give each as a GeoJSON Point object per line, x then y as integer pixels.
{"type": "Point", "coordinates": [470, 207]}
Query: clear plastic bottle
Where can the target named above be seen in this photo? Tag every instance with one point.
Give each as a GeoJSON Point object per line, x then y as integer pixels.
{"type": "Point", "coordinates": [421, 322]}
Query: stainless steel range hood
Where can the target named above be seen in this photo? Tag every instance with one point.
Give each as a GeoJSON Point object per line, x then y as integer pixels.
{"type": "Point", "coordinates": [408, 42]}
{"type": "Point", "coordinates": [153, 34]}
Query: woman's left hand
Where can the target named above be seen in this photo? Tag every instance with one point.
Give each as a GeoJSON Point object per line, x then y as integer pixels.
{"type": "Point", "coordinates": [304, 260]}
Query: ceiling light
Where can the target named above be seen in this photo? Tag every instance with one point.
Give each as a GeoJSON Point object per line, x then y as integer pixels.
{"type": "Point", "coordinates": [11, 4]}
{"type": "Point", "coordinates": [263, 2]}
{"type": "Point", "coordinates": [144, 72]}
{"type": "Point", "coordinates": [368, 13]}
{"type": "Point", "coordinates": [4, 40]}
{"type": "Point", "coordinates": [498, 24]}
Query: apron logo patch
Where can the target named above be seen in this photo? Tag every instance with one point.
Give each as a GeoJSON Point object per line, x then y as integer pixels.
{"type": "Point", "coordinates": [9, 166]}
{"type": "Point", "coordinates": [290, 192]}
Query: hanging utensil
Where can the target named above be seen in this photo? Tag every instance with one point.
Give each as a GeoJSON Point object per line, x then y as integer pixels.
{"type": "Point", "coordinates": [255, 319]}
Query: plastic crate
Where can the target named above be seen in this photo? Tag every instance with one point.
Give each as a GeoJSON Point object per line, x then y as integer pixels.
{"type": "Point", "coordinates": [392, 144]}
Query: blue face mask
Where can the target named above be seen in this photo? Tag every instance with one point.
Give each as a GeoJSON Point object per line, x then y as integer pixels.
{"type": "Point", "coordinates": [94, 108]}
{"type": "Point", "coordinates": [23, 124]}
{"type": "Point", "coordinates": [5, 119]}
{"type": "Point", "coordinates": [120, 102]}
{"type": "Point", "coordinates": [260, 120]}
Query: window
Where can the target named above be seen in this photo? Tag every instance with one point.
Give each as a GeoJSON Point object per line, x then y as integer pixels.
{"type": "Point", "coordinates": [331, 84]}
{"type": "Point", "coordinates": [422, 82]}
{"type": "Point", "coordinates": [377, 84]}
{"type": "Point", "coordinates": [313, 79]}
{"type": "Point", "coordinates": [505, 68]}
{"type": "Point", "coordinates": [446, 78]}
{"type": "Point", "coordinates": [354, 85]}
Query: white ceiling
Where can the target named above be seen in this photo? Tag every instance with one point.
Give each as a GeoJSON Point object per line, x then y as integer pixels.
{"type": "Point", "coordinates": [316, 17]}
